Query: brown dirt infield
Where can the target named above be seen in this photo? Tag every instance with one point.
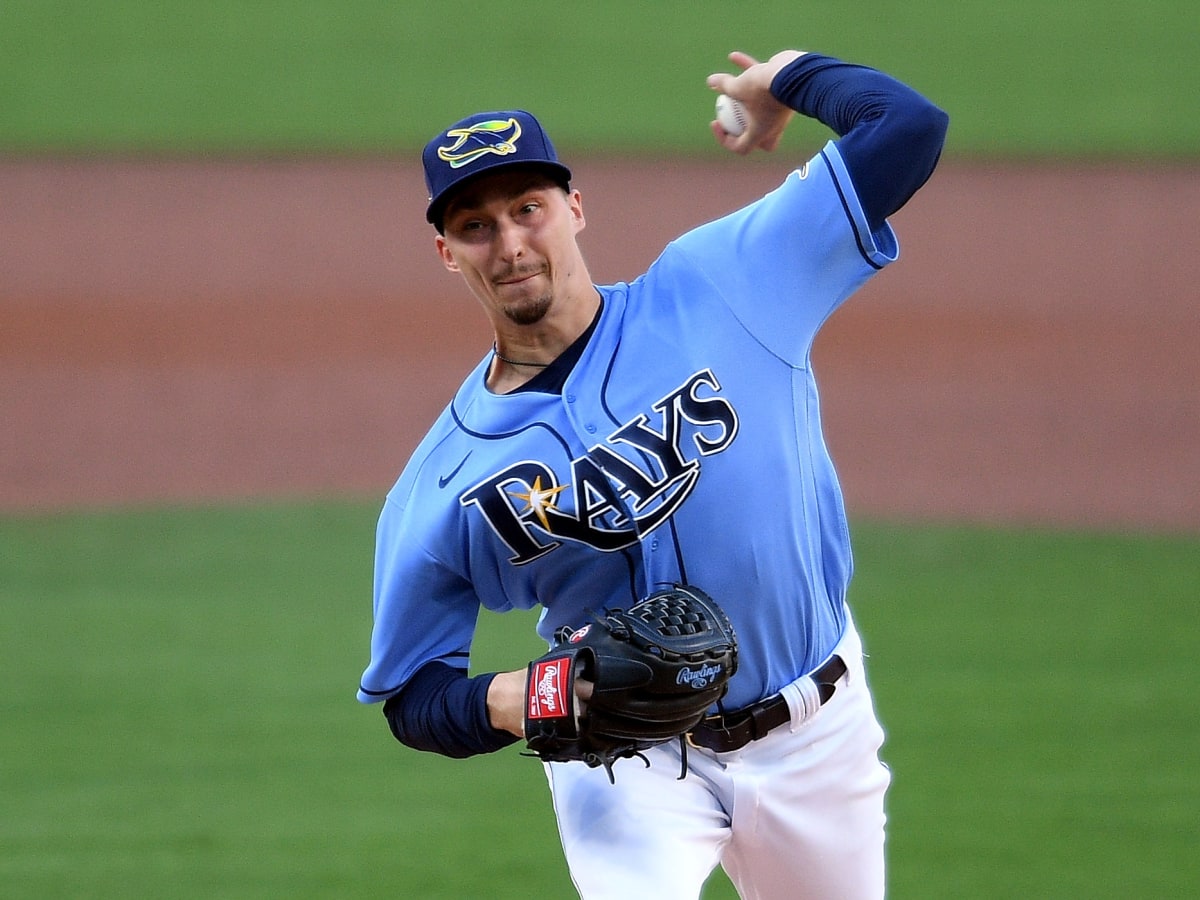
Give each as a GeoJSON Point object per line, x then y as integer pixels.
{"type": "Point", "coordinates": [179, 331]}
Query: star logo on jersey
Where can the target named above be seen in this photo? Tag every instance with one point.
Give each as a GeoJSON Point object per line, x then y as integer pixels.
{"type": "Point", "coordinates": [498, 136]}
{"type": "Point", "coordinates": [539, 499]}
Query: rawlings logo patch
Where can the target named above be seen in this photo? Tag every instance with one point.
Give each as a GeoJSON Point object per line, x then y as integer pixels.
{"type": "Point", "coordinates": [698, 678]}
{"type": "Point", "coordinates": [498, 136]}
{"type": "Point", "coordinates": [577, 636]}
{"type": "Point", "coordinates": [547, 689]}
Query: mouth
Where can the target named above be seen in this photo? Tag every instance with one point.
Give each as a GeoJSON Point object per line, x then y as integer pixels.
{"type": "Point", "coordinates": [511, 278]}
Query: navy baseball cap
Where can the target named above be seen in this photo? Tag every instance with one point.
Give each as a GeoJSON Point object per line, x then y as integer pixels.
{"type": "Point", "coordinates": [482, 143]}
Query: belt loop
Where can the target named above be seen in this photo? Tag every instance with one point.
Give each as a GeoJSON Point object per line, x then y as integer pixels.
{"type": "Point", "coordinates": [803, 700]}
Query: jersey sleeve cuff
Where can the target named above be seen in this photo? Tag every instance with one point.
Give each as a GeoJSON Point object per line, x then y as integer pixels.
{"type": "Point", "coordinates": [878, 248]}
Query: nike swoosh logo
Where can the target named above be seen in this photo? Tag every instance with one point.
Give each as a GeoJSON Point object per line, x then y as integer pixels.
{"type": "Point", "coordinates": [445, 479]}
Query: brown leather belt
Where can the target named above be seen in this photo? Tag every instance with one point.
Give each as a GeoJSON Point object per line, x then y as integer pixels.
{"type": "Point", "coordinates": [733, 731]}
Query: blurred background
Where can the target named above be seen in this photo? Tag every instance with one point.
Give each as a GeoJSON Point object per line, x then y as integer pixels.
{"type": "Point", "coordinates": [223, 329]}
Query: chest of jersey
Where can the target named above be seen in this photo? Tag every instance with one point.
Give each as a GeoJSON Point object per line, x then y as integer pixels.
{"type": "Point", "coordinates": [653, 406]}
{"type": "Point", "coordinates": [605, 484]}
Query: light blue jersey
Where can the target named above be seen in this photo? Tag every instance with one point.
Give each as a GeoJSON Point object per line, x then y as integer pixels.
{"type": "Point", "coordinates": [686, 446]}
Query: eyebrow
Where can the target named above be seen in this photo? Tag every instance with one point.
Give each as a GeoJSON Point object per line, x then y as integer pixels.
{"type": "Point", "coordinates": [471, 196]}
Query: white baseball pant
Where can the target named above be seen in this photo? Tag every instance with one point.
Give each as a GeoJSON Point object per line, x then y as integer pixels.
{"type": "Point", "coordinates": [796, 814]}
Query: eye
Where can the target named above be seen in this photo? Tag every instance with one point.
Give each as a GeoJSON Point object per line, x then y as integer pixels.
{"type": "Point", "coordinates": [469, 229]}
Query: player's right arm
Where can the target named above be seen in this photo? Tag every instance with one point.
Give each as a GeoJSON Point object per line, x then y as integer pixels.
{"type": "Point", "coordinates": [443, 710]}
{"type": "Point", "coordinates": [506, 701]}
{"type": "Point", "coordinates": [425, 612]}
{"type": "Point", "coordinates": [425, 618]}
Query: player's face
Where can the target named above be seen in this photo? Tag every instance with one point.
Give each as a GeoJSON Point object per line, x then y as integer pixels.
{"type": "Point", "coordinates": [512, 237]}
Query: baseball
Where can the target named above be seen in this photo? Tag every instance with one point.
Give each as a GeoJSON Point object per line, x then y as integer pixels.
{"type": "Point", "coordinates": [731, 115]}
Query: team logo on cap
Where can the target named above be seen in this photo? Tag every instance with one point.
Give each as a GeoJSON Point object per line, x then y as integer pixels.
{"type": "Point", "coordinates": [498, 136]}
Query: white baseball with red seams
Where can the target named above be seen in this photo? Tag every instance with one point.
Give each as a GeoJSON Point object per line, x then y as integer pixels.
{"type": "Point", "coordinates": [731, 115]}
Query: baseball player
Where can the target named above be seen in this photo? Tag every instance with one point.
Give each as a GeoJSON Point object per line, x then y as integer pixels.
{"type": "Point", "coordinates": [621, 438]}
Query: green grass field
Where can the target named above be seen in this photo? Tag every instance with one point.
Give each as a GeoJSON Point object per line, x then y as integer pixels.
{"type": "Point", "coordinates": [1072, 77]}
{"type": "Point", "coordinates": [179, 717]}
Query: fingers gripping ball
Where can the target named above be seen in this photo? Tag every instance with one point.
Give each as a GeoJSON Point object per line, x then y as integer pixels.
{"type": "Point", "coordinates": [655, 668]}
{"type": "Point", "coordinates": [731, 115]}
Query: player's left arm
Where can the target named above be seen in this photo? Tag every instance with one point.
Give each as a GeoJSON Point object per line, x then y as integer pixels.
{"type": "Point", "coordinates": [890, 136]}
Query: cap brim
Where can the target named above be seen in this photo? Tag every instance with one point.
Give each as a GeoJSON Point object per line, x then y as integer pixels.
{"type": "Point", "coordinates": [437, 205]}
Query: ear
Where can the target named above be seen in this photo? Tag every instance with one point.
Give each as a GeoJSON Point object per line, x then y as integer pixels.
{"type": "Point", "coordinates": [445, 253]}
{"type": "Point", "coordinates": [575, 203]}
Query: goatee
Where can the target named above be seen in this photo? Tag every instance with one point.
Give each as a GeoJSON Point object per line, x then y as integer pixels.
{"type": "Point", "coordinates": [529, 312]}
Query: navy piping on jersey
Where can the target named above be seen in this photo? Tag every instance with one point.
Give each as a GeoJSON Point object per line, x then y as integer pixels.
{"type": "Point", "coordinates": [858, 240]}
{"type": "Point", "coordinates": [890, 136]}
{"type": "Point", "coordinates": [482, 435]}
{"type": "Point", "coordinates": [645, 458]}
{"type": "Point", "coordinates": [463, 655]}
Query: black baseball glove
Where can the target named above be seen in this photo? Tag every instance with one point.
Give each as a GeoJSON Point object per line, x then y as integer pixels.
{"type": "Point", "coordinates": [656, 669]}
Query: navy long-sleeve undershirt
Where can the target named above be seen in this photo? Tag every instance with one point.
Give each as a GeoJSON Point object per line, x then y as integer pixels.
{"type": "Point", "coordinates": [443, 710]}
{"type": "Point", "coordinates": [890, 137]}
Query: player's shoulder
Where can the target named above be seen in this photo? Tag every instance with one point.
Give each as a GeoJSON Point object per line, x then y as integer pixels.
{"type": "Point", "coordinates": [811, 185]}
{"type": "Point", "coordinates": [426, 453]}
{"type": "Point", "coordinates": [810, 200]}
{"type": "Point", "coordinates": [443, 441]}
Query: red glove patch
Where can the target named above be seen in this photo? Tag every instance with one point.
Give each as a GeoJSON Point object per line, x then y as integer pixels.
{"type": "Point", "coordinates": [549, 689]}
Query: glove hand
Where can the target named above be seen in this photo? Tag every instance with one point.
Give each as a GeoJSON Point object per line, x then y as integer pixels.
{"type": "Point", "coordinates": [506, 700]}
{"type": "Point", "coordinates": [648, 675]}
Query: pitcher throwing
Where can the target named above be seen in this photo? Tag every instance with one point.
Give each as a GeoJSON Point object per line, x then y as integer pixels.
{"type": "Point", "coordinates": [618, 441]}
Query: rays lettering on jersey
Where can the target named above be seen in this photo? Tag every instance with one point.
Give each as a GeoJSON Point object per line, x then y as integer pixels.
{"type": "Point", "coordinates": [616, 501]}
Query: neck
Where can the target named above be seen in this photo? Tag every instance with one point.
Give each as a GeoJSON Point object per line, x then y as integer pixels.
{"type": "Point", "coordinates": [536, 345]}
{"type": "Point", "coordinates": [516, 362]}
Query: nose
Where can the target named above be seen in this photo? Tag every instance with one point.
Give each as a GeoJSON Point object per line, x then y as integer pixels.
{"type": "Point", "coordinates": [511, 240]}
